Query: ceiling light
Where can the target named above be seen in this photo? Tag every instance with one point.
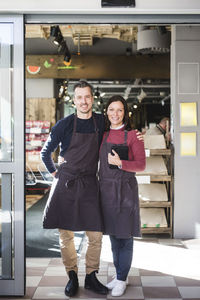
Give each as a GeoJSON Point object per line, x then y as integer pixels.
{"type": "Point", "coordinates": [63, 49]}
{"type": "Point", "coordinates": [97, 93]}
{"type": "Point", "coordinates": [67, 97]}
{"type": "Point", "coordinates": [141, 96]}
{"type": "Point", "coordinates": [58, 39]}
{"type": "Point", "coordinates": [67, 59]}
{"type": "Point", "coordinates": [56, 33]}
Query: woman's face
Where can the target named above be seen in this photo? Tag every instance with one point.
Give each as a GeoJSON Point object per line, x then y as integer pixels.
{"type": "Point", "coordinates": [115, 113]}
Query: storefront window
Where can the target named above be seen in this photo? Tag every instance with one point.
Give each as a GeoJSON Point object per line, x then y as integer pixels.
{"type": "Point", "coordinates": [6, 129]}
{"type": "Point", "coordinates": [6, 226]}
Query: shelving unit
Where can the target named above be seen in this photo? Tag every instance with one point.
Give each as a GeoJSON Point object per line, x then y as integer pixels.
{"type": "Point", "coordinates": [166, 205]}
{"type": "Point", "coordinates": [36, 134]}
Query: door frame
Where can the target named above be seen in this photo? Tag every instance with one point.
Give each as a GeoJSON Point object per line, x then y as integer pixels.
{"type": "Point", "coordinates": [16, 285]}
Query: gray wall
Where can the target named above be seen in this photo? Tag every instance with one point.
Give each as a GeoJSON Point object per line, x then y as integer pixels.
{"type": "Point", "coordinates": [185, 83]}
{"type": "Point", "coordinates": [94, 6]}
{"type": "Point", "coordinates": [39, 88]}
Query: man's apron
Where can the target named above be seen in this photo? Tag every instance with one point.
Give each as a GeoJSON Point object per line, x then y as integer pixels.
{"type": "Point", "coordinates": [119, 197]}
{"type": "Point", "coordinates": [73, 202]}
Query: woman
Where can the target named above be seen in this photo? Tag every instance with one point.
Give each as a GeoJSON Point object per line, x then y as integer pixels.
{"type": "Point", "coordinates": [119, 189]}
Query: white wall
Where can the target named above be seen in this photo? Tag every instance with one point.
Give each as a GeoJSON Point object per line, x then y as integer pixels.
{"type": "Point", "coordinates": [185, 87]}
{"type": "Point", "coordinates": [94, 6]}
{"type": "Point", "coordinates": [39, 88]}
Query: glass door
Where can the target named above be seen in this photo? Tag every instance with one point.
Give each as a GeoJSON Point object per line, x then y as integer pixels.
{"type": "Point", "coordinates": [12, 266]}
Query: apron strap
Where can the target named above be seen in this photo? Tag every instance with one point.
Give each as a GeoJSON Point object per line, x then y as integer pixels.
{"type": "Point", "coordinates": [107, 134]}
{"type": "Point", "coordinates": [125, 136]}
{"type": "Point", "coordinates": [95, 123]}
{"type": "Point", "coordinates": [75, 122]}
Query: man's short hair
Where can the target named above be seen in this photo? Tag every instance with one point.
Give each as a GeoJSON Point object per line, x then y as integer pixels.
{"type": "Point", "coordinates": [83, 84]}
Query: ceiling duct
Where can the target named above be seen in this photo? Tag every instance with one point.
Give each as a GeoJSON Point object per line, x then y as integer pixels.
{"type": "Point", "coordinates": [152, 41]}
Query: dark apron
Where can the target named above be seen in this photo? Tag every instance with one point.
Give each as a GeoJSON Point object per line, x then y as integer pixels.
{"type": "Point", "coordinates": [73, 202]}
{"type": "Point", "coordinates": [119, 197]}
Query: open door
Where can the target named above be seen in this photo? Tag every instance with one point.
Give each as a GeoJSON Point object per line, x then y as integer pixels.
{"type": "Point", "coordinates": [12, 262]}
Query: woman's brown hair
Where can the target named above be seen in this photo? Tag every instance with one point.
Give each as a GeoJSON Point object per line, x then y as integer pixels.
{"type": "Point", "coordinates": [126, 120]}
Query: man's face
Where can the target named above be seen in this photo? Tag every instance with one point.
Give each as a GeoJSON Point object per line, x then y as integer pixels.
{"type": "Point", "coordinates": [83, 100]}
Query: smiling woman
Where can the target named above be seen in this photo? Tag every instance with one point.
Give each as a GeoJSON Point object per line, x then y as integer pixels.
{"type": "Point", "coordinates": [119, 189]}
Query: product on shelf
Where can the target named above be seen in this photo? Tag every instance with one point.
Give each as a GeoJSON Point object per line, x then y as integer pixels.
{"type": "Point", "coordinates": [154, 141]}
{"type": "Point", "coordinates": [153, 217]}
{"type": "Point", "coordinates": [36, 134]}
{"type": "Point", "coordinates": [152, 192]}
{"type": "Point", "coordinates": [155, 165]}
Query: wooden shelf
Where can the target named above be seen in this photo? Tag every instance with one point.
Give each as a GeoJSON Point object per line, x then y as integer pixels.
{"type": "Point", "coordinates": [155, 230]}
{"type": "Point", "coordinates": [168, 205]}
{"type": "Point", "coordinates": [155, 204]}
{"type": "Point", "coordinates": [156, 177]}
{"type": "Point", "coordinates": [160, 151]}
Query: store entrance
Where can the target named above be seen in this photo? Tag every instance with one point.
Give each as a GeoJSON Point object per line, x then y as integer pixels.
{"type": "Point", "coordinates": [130, 60]}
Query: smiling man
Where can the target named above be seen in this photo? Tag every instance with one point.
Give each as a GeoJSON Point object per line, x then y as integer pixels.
{"type": "Point", "coordinates": [73, 203]}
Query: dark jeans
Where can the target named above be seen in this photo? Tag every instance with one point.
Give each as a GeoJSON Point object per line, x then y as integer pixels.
{"type": "Point", "coordinates": [122, 250]}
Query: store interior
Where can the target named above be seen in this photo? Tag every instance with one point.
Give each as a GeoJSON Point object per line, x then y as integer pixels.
{"type": "Point", "coordinates": [128, 60]}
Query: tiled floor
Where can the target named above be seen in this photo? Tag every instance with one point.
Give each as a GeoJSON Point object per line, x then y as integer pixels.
{"type": "Point", "coordinates": [163, 269]}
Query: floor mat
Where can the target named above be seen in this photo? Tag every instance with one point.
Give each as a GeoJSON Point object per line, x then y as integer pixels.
{"type": "Point", "coordinates": [44, 242]}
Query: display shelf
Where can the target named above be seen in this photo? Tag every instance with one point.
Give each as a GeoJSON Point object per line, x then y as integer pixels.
{"type": "Point", "coordinates": [155, 204]}
{"type": "Point", "coordinates": [167, 180]}
{"type": "Point", "coordinates": [160, 151]}
{"type": "Point", "coordinates": [156, 230]}
{"type": "Point", "coordinates": [36, 134]}
{"type": "Point", "coordinates": [156, 177]}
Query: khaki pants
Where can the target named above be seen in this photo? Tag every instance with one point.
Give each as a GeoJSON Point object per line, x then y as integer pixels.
{"type": "Point", "coordinates": [68, 251]}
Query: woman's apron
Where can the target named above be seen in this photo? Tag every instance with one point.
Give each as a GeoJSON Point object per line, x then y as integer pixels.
{"type": "Point", "coordinates": [73, 202]}
{"type": "Point", "coordinates": [119, 197]}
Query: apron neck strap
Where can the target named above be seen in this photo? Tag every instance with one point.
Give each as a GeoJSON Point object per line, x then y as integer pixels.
{"type": "Point", "coordinates": [95, 123]}
{"type": "Point", "coordinates": [107, 134]}
{"type": "Point", "coordinates": [75, 122]}
{"type": "Point", "coordinates": [125, 136]}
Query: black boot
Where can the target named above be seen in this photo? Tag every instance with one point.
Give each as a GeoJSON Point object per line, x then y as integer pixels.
{"type": "Point", "coordinates": [72, 285]}
{"type": "Point", "coordinates": [92, 283]}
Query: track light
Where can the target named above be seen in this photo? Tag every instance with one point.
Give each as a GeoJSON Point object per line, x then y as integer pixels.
{"type": "Point", "coordinates": [67, 57]}
{"type": "Point", "coordinates": [61, 43]}
{"type": "Point", "coordinates": [56, 33]}
{"type": "Point", "coordinates": [97, 93]}
{"type": "Point", "coordinates": [58, 39]}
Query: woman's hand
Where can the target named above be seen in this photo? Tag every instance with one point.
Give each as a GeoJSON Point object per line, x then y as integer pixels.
{"type": "Point", "coordinates": [114, 159]}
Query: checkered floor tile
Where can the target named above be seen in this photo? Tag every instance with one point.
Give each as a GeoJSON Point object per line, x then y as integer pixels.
{"type": "Point", "coordinates": [162, 269]}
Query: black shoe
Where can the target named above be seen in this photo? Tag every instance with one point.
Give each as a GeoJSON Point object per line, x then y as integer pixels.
{"type": "Point", "coordinates": [92, 283]}
{"type": "Point", "coordinates": [72, 285]}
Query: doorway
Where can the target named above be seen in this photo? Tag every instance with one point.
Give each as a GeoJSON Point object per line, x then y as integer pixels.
{"type": "Point", "coordinates": [130, 60]}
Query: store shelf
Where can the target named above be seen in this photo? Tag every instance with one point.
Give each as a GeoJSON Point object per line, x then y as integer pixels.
{"type": "Point", "coordinates": [160, 152]}
{"type": "Point", "coordinates": [156, 230]}
{"type": "Point", "coordinates": [165, 179]}
{"type": "Point", "coordinates": [156, 177]}
{"type": "Point", "coordinates": [156, 204]}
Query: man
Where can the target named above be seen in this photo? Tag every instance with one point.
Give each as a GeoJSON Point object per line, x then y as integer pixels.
{"type": "Point", "coordinates": [73, 203]}
{"type": "Point", "coordinates": [161, 128]}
